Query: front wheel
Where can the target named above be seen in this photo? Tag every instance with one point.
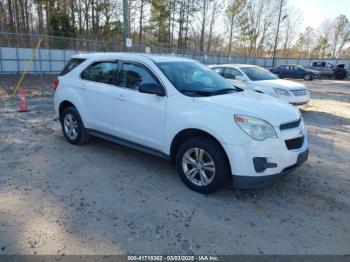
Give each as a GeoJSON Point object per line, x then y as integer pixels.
{"type": "Point", "coordinates": [307, 77]}
{"type": "Point", "coordinates": [202, 164]}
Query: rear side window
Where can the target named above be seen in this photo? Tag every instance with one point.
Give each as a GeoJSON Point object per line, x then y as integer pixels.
{"type": "Point", "coordinates": [102, 72]}
{"type": "Point", "coordinates": [72, 63]}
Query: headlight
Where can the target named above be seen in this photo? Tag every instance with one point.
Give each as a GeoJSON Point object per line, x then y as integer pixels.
{"type": "Point", "coordinates": [256, 128]}
{"type": "Point", "coordinates": [281, 92]}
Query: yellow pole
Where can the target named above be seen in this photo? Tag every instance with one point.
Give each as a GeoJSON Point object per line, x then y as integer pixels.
{"type": "Point", "coordinates": [26, 68]}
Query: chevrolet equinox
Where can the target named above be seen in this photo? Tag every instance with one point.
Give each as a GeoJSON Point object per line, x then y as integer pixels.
{"type": "Point", "coordinates": [182, 110]}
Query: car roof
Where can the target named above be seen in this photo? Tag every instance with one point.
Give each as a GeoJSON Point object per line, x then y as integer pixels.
{"type": "Point", "coordinates": [138, 56]}
{"type": "Point", "coordinates": [290, 65]}
{"type": "Point", "coordinates": [233, 65]}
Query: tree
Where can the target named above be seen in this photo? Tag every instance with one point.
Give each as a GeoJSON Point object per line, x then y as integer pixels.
{"type": "Point", "coordinates": [204, 10]}
{"type": "Point", "coordinates": [214, 11]}
{"type": "Point", "coordinates": [233, 9]}
{"type": "Point", "coordinates": [305, 42]}
{"type": "Point", "coordinates": [60, 25]}
{"type": "Point", "coordinates": [321, 47]}
{"type": "Point", "coordinates": [341, 35]}
{"type": "Point", "coordinates": [159, 20]}
{"type": "Point", "coordinates": [143, 3]}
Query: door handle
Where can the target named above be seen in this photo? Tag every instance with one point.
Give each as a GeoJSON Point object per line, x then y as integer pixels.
{"type": "Point", "coordinates": [120, 98]}
{"type": "Point", "coordinates": [82, 86]}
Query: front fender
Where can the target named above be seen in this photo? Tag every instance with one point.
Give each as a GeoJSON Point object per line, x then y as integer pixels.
{"type": "Point", "coordinates": [218, 124]}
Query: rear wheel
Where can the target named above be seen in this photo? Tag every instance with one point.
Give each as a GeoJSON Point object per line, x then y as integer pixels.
{"type": "Point", "coordinates": [73, 127]}
{"type": "Point", "coordinates": [340, 73]}
{"type": "Point", "coordinates": [202, 165]}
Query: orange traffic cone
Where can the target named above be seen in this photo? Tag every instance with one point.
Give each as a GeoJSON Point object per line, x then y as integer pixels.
{"type": "Point", "coordinates": [22, 101]}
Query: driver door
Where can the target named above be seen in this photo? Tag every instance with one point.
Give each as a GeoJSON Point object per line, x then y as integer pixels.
{"type": "Point", "coordinates": [235, 77]}
{"type": "Point", "coordinates": [138, 117]}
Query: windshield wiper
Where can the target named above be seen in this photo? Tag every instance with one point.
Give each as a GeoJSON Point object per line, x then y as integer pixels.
{"type": "Point", "coordinates": [223, 91]}
{"type": "Point", "coordinates": [211, 93]}
{"type": "Point", "coordinates": [198, 92]}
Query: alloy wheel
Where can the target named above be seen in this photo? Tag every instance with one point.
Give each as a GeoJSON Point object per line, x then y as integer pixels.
{"type": "Point", "coordinates": [198, 166]}
{"type": "Point", "coordinates": [70, 125]}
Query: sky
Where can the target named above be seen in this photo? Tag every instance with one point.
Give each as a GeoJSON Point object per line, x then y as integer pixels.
{"type": "Point", "coordinates": [315, 11]}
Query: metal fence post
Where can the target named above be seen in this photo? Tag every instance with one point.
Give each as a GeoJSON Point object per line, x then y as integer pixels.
{"type": "Point", "coordinates": [42, 88]}
{"type": "Point", "coordinates": [17, 55]}
{"type": "Point", "coordinates": [1, 60]}
{"type": "Point", "coordinates": [50, 66]}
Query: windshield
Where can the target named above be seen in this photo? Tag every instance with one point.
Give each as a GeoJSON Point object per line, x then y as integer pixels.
{"type": "Point", "coordinates": [195, 79]}
{"type": "Point", "coordinates": [258, 73]}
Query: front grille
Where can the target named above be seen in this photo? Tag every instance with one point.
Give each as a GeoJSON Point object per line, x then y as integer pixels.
{"type": "Point", "coordinates": [289, 125]}
{"type": "Point", "coordinates": [299, 92]}
{"type": "Point", "coordinates": [295, 143]}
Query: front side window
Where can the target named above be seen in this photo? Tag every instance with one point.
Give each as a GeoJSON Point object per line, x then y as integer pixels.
{"type": "Point", "coordinates": [219, 70]}
{"type": "Point", "coordinates": [133, 75]}
{"type": "Point", "coordinates": [102, 72]}
{"type": "Point", "coordinates": [256, 73]}
{"type": "Point", "coordinates": [231, 73]}
{"type": "Point", "coordinates": [195, 79]}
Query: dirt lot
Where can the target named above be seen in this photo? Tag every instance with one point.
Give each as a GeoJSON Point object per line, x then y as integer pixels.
{"type": "Point", "coordinates": [102, 198]}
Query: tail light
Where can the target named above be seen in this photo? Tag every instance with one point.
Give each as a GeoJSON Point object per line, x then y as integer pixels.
{"type": "Point", "coordinates": [55, 83]}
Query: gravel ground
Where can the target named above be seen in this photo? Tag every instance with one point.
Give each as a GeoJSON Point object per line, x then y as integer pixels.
{"type": "Point", "coordinates": [101, 198]}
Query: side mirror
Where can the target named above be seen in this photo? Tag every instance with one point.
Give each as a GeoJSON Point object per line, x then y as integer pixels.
{"type": "Point", "coordinates": [152, 88]}
{"type": "Point", "coordinates": [240, 78]}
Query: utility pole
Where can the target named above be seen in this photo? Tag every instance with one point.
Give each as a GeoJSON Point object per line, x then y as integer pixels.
{"type": "Point", "coordinates": [125, 22]}
{"type": "Point", "coordinates": [276, 39]}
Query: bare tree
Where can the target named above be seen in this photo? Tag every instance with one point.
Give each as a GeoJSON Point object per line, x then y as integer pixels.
{"type": "Point", "coordinates": [232, 11]}
{"type": "Point", "coordinates": [203, 11]}
{"type": "Point", "coordinates": [341, 35]}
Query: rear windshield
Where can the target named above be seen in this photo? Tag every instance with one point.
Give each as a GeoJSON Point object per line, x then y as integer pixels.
{"type": "Point", "coordinates": [73, 63]}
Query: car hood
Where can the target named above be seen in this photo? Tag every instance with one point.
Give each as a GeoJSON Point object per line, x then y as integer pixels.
{"type": "Point", "coordinates": [279, 83]}
{"type": "Point", "coordinates": [255, 104]}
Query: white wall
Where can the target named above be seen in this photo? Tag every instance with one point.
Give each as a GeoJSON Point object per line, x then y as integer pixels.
{"type": "Point", "coordinates": [14, 60]}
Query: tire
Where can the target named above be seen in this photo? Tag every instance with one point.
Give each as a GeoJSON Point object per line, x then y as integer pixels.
{"type": "Point", "coordinates": [213, 163]}
{"type": "Point", "coordinates": [340, 73]}
{"type": "Point", "coordinates": [308, 77]}
{"type": "Point", "coordinates": [72, 127]}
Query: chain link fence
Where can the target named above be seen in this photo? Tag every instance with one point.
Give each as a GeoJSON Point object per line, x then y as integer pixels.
{"type": "Point", "coordinates": [54, 52]}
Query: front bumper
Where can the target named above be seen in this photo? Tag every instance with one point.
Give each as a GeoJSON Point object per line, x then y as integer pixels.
{"type": "Point", "coordinates": [295, 99]}
{"type": "Point", "coordinates": [275, 155]}
{"type": "Point", "coordinates": [255, 182]}
{"type": "Point", "coordinates": [298, 100]}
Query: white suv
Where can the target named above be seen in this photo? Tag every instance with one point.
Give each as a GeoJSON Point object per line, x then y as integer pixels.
{"type": "Point", "coordinates": [180, 109]}
{"type": "Point", "coordinates": [260, 80]}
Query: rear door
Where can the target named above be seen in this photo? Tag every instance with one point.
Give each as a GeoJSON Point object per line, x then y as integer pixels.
{"type": "Point", "coordinates": [293, 72]}
{"type": "Point", "coordinates": [284, 71]}
{"type": "Point", "coordinates": [97, 93]}
{"type": "Point", "coordinates": [138, 117]}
